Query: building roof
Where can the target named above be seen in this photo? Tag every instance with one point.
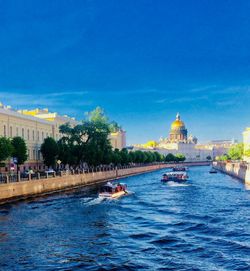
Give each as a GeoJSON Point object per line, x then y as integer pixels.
{"type": "Point", "coordinates": [178, 123]}
{"type": "Point", "coordinates": [13, 113]}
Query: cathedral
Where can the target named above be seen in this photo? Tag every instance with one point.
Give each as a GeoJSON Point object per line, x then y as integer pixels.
{"type": "Point", "coordinates": [177, 142]}
{"type": "Point", "coordinates": [178, 134]}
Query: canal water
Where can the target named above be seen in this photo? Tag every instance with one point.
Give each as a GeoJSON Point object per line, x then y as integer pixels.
{"type": "Point", "coordinates": [201, 225]}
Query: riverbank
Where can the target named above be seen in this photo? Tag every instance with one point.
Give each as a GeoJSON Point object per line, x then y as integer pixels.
{"type": "Point", "coordinates": [238, 170]}
{"type": "Point", "coordinates": [12, 191]}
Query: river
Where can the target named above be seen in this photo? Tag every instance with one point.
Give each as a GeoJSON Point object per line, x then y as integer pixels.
{"type": "Point", "coordinates": [203, 224]}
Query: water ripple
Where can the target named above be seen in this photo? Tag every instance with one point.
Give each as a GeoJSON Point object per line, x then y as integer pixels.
{"type": "Point", "coordinates": [200, 225]}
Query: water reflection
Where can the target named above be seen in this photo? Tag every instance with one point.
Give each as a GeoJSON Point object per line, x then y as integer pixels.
{"type": "Point", "coordinates": [195, 226]}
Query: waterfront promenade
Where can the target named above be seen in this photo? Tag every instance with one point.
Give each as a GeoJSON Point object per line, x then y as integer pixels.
{"type": "Point", "coordinates": [16, 188]}
{"type": "Point", "coordinates": [239, 170]}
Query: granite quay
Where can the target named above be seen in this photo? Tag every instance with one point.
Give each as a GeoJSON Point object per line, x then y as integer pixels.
{"type": "Point", "coordinates": [14, 187]}
{"type": "Point", "coordinates": [239, 170]}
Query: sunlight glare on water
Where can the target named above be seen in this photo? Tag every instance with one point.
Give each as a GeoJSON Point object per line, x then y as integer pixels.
{"type": "Point", "coordinates": [200, 225]}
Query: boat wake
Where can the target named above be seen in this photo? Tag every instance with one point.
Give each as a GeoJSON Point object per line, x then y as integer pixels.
{"type": "Point", "coordinates": [177, 184]}
{"type": "Point", "coordinates": [91, 201]}
{"type": "Point", "coordinates": [128, 193]}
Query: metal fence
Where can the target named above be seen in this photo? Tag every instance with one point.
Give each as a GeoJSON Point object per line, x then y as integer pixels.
{"type": "Point", "coordinates": [20, 177]}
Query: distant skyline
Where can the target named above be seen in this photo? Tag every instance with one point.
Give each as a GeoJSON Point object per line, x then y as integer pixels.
{"type": "Point", "coordinates": [142, 61]}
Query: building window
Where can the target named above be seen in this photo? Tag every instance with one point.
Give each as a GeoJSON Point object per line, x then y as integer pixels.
{"type": "Point", "coordinates": [16, 131]}
{"type": "Point", "coordinates": [34, 154]}
{"type": "Point", "coordinates": [28, 154]}
{"type": "Point", "coordinates": [22, 132]}
{"type": "Point", "coordinates": [38, 155]}
{"type": "Point", "coordinates": [4, 131]}
{"type": "Point", "coordinates": [10, 131]}
{"type": "Point", "coordinates": [42, 135]}
{"type": "Point", "coordinates": [38, 135]}
{"type": "Point", "coordinates": [28, 134]}
{"type": "Point", "coordinates": [33, 135]}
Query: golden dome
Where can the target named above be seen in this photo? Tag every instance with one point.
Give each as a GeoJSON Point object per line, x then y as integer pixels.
{"type": "Point", "coordinates": [178, 123]}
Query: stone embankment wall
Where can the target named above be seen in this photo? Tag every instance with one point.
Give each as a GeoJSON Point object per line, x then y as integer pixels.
{"type": "Point", "coordinates": [238, 170]}
{"type": "Point", "coordinates": [17, 190]}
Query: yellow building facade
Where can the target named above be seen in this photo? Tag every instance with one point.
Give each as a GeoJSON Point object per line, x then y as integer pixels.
{"type": "Point", "coordinates": [118, 139]}
{"type": "Point", "coordinates": [33, 126]}
{"type": "Point", "coordinates": [36, 125]}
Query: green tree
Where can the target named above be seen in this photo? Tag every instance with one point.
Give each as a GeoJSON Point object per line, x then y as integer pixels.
{"type": "Point", "coordinates": [88, 142]}
{"type": "Point", "coordinates": [19, 150]}
{"type": "Point", "coordinates": [158, 157]}
{"type": "Point", "coordinates": [97, 115]}
{"type": "Point", "coordinates": [116, 157]}
{"type": "Point", "coordinates": [114, 127]}
{"type": "Point", "coordinates": [6, 148]}
{"type": "Point", "coordinates": [180, 157]}
{"type": "Point", "coordinates": [140, 156]}
{"type": "Point", "coordinates": [247, 153]}
{"type": "Point", "coordinates": [170, 158]}
{"type": "Point", "coordinates": [223, 157]}
{"type": "Point", "coordinates": [66, 153]}
{"type": "Point", "coordinates": [131, 157]}
{"type": "Point", "coordinates": [124, 156]}
{"type": "Point", "coordinates": [49, 150]}
{"type": "Point", "coordinates": [236, 151]}
{"type": "Point", "coordinates": [149, 157]}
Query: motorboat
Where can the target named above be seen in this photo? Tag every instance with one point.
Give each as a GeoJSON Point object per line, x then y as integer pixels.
{"type": "Point", "coordinates": [175, 176]}
{"type": "Point", "coordinates": [180, 169]}
{"type": "Point", "coordinates": [213, 171]}
{"type": "Point", "coordinates": [113, 190]}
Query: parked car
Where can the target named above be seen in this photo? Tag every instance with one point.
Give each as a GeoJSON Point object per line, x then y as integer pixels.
{"type": "Point", "coordinates": [25, 174]}
{"type": "Point", "coordinates": [50, 171]}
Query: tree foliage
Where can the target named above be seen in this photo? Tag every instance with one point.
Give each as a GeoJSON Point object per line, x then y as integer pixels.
{"type": "Point", "coordinates": [170, 158]}
{"type": "Point", "coordinates": [223, 157]}
{"type": "Point", "coordinates": [247, 153]}
{"type": "Point", "coordinates": [49, 150]}
{"type": "Point", "coordinates": [88, 143]}
{"type": "Point", "coordinates": [6, 148]}
{"type": "Point", "coordinates": [180, 157]}
{"type": "Point", "coordinates": [19, 150]}
{"type": "Point", "coordinates": [236, 152]}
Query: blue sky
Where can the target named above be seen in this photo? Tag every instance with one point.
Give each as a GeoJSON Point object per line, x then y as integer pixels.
{"type": "Point", "coordinates": [141, 60]}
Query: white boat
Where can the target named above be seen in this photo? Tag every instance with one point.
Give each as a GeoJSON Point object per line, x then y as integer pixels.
{"type": "Point", "coordinates": [175, 176]}
{"type": "Point", "coordinates": [180, 168]}
{"type": "Point", "coordinates": [113, 190]}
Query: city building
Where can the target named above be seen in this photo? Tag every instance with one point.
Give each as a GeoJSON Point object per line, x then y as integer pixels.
{"type": "Point", "coordinates": [218, 147]}
{"type": "Point", "coordinates": [246, 142]}
{"type": "Point", "coordinates": [33, 130]}
{"type": "Point", "coordinates": [118, 139]}
{"type": "Point", "coordinates": [178, 142]}
{"type": "Point", "coordinates": [36, 125]}
{"type": "Point", "coordinates": [52, 117]}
